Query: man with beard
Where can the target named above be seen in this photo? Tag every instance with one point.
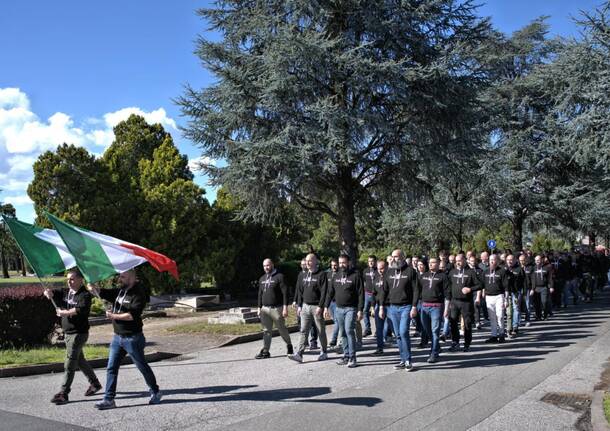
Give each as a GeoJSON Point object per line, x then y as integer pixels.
{"type": "Point", "coordinates": [381, 324]}
{"type": "Point", "coordinates": [348, 291]}
{"type": "Point", "coordinates": [527, 270]}
{"type": "Point", "coordinates": [434, 290]}
{"type": "Point", "coordinates": [462, 283]}
{"type": "Point", "coordinates": [496, 282]}
{"type": "Point", "coordinates": [313, 333]}
{"type": "Point", "coordinates": [541, 280]}
{"type": "Point", "coordinates": [478, 307]}
{"type": "Point", "coordinates": [516, 295]}
{"type": "Point", "coordinates": [312, 294]}
{"type": "Point", "coordinates": [332, 271]}
{"type": "Point", "coordinates": [272, 308]}
{"type": "Point", "coordinates": [401, 290]}
{"type": "Point", "coordinates": [369, 290]}
{"type": "Point", "coordinates": [126, 315]}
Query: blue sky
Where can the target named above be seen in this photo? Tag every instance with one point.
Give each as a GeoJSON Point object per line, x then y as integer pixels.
{"type": "Point", "coordinates": [71, 69]}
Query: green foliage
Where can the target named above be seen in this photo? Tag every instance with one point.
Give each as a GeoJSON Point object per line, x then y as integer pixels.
{"type": "Point", "coordinates": [26, 317]}
{"type": "Point", "coordinates": [331, 109]}
{"type": "Point", "coordinates": [544, 241]}
{"type": "Point", "coordinates": [141, 191]}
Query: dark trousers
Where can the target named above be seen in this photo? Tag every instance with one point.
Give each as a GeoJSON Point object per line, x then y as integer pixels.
{"type": "Point", "coordinates": [541, 302]}
{"type": "Point", "coordinates": [465, 309]}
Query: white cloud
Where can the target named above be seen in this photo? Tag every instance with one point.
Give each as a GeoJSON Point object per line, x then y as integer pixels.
{"type": "Point", "coordinates": [24, 136]}
{"type": "Point", "coordinates": [196, 164]}
{"type": "Point", "coordinates": [17, 200]}
{"type": "Point", "coordinates": [156, 116]}
{"type": "Point", "coordinates": [13, 98]}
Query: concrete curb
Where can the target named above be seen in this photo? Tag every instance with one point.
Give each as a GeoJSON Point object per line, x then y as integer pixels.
{"type": "Point", "coordinates": [598, 419]}
{"type": "Point", "coordinates": [246, 338]}
{"type": "Point", "coordinates": [58, 367]}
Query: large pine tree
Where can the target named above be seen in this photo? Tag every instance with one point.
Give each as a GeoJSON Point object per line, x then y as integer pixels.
{"type": "Point", "coordinates": [335, 105]}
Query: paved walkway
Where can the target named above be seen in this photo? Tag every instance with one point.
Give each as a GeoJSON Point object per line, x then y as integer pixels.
{"type": "Point", "coordinates": [488, 388]}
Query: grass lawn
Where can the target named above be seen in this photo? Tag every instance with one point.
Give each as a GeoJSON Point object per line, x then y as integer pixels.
{"type": "Point", "coordinates": [226, 329]}
{"type": "Point", "coordinates": [607, 406]}
{"type": "Point", "coordinates": [45, 355]}
{"type": "Point", "coordinates": [16, 280]}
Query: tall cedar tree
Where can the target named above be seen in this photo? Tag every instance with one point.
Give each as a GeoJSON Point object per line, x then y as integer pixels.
{"type": "Point", "coordinates": [327, 103]}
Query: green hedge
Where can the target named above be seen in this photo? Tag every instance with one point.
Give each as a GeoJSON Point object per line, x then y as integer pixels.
{"type": "Point", "coordinates": [26, 317]}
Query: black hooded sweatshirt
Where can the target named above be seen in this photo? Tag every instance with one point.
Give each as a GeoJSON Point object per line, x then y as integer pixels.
{"type": "Point", "coordinates": [401, 286]}
{"type": "Point", "coordinates": [346, 289]}
{"type": "Point", "coordinates": [312, 287]}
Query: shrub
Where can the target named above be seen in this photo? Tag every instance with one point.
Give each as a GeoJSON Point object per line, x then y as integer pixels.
{"type": "Point", "coordinates": [26, 317]}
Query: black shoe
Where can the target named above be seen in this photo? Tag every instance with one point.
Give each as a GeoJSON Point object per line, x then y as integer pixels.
{"type": "Point", "coordinates": [367, 333]}
{"type": "Point", "coordinates": [60, 398]}
{"type": "Point", "coordinates": [466, 349]}
{"type": "Point", "coordinates": [93, 389]}
{"type": "Point", "coordinates": [491, 340]}
{"type": "Point", "coordinates": [378, 352]}
{"type": "Point", "coordinates": [443, 338]}
{"type": "Point", "coordinates": [454, 347]}
{"type": "Point", "coordinates": [332, 346]}
{"type": "Point", "coordinates": [422, 345]}
{"type": "Point", "coordinates": [264, 354]}
{"type": "Point", "coordinates": [343, 361]}
{"type": "Point", "coordinates": [289, 349]}
{"type": "Point", "coordinates": [501, 340]}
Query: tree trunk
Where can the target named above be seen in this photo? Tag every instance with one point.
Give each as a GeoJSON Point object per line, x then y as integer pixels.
{"type": "Point", "coordinates": [346, 217]}
{"type": "Point", "coordinates": [4, 266]}
{"type": "Point", "coordinates": [23, 272]}
{"type": "Point", "coordinates": [592, 240]}
{"type": "Point", "coordinates": [517, 233]}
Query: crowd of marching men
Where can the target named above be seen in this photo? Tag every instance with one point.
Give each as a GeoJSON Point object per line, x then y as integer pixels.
{"type": "Point", "coordinates": [443, 297]}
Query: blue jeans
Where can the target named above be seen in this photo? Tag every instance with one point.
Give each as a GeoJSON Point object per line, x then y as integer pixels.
{"type": "Point", "coordinates": [401, 320]}
{"type": "Point", "coordinates": [516, 298]}
{"type": "Point", "coordinates": [369, 300]}
{"type": "Point", "coordinates": [380, 328]}
{"type": "Point", "coordinates": [333, 311]}
{"type": "Point", "coordinates": [119, 347]}
{"type": "Point", "coordinates": [431, 320]}
{"type": "Point", "coordinates": [571, 287]}
{"type": "Point", "coordinates": [346, 319]}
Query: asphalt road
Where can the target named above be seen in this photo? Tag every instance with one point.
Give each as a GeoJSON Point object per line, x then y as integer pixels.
{"type": "Point", "coordinates": [490, 387]}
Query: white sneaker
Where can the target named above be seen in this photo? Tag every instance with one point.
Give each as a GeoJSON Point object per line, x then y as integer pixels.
{"type": "Point", "coordinates": [296, 357]}
{"type": "Point", "coordinates": [322, 356]}
{"type": "Point", "coordinates": [352, 363]}
{"type": "Point", "coordinates": [409, 366]}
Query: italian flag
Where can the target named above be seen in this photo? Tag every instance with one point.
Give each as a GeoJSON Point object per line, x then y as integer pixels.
{"type": "Point", "coordinates": [43, 248]}
{"type": "Point", "coordinates": [100, 256]}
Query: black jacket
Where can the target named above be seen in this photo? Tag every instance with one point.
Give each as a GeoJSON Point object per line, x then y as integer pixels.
{"type": "Point", "coordinates": [496, 282]}
{"type": "Point", "coordinates": [541, 277]}
{"type": "Point", "coordinates": [458, 279]}
{"type": "Point", "coordinates": [81, 301]}
{"type": "Point", "coordinates": [378, 288]}
{"type": "Point", "coordinates": [272, 291]}
{"type": "Point", "coordinates": [312, 287]}
{"type": "Point", "coordinates": [346, 289]}
{"type": "Point", "coordinates": [520, 282]}
{"type": "Point", "coordinates": [434, 287]}
{"type": "Point", "coordinates": [130, 301]}
{"type": "Point", "coordinates": [368, 275]}
{"type": "Point", "coordinates": [401, 286]}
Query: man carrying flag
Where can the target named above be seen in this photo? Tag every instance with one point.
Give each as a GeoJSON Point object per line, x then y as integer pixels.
{"type": "Point", "coordinates": [73, 307]}
{"type": "Point", "coordinates": [127, 305]}
{"type": "Point", "coordinates": [99, 257]}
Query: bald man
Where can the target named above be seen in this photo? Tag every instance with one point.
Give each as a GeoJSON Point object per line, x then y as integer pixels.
{"type": "Point", "coordinates": [272, 307]}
